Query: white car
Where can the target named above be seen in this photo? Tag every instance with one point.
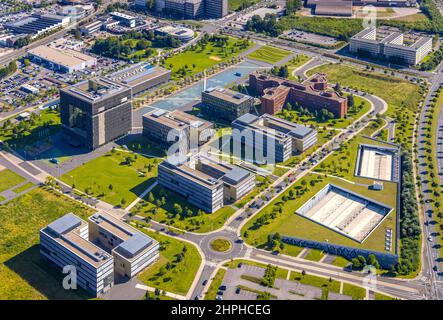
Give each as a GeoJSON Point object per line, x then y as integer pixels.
{"type": "Point", "coordinates": [429, 238]}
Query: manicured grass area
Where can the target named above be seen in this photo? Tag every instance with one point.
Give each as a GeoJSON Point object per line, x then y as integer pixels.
{"type": "Point", "coordinates": [326, 284]}
{"type": "Point", "coordinates": [9, 179]}
{"type": "Point", "coordinates": [340, 262]}
{"type": "Point", "coordinates": [36, 128]}
{"type": "Point", "coordinates": [112, 179]}
{"type": "Point", "coordinates": [357, 293]}
{"type": "Point", "coordinates": [201, 57]}
{"type": "Point", "coordinates": [24, 187]}
{"type": "Point", "coordinates": [2, 199]}
{"type": "Point", "coordinates": [314, 255]}
{"type": "Point", "coordinates": [215, 284]}
{"type": "Point", "coordinates": [290, 224]}
{"type": "Point", "coordinates": [24, 274]}
{"type": "Point", "coordinates": [381, 296]}
{"type": "Point", "coordinates": [269, 54]}
{"type": "Point", "coordinates": [220, 245]}
{"type": "Point", "coordinates": [401, 95]}
{"type": "Point", "coordinates": [416, 17]}
{"type": "Point", "coordinates": [237, 5]}
{"type": "Point", "coordinates": [176, 268]}
{"type": "Point", "coordinates": [162, 205]}
{"type": "Point", "coordinates": [295, 63]}
{"type": "Point", "coordinates": [360, 107]}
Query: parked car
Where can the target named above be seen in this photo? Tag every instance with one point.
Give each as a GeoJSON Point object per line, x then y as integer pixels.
{"type": "Point", "coordinates": [237, 291]}
{"type": "Point", "coordinates": [222, 288]}
{"type": "Point", "coordinates": [204, 282]}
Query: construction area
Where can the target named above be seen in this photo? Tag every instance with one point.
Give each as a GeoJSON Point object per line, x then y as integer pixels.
{"type": "Point", "coordinates": [345, 212]}
{"type": "Point", "coordinates": [376, 162]}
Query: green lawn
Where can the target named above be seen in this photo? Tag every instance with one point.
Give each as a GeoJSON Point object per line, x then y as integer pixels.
{"type": "Point", "coordinates": [24, 275]}
{"type": "Point", "coordinates": [340, 262]}
{"type": "Point", "coordinates": [169, 273]}
{"type": "Point", "coordinates": [381, 296]}
{"type": "Point", "coordinates": [237, 5]}
{"type": "Point", "coordinates": [161, 209]}
{"type": "Point", "coordinates": [9, 179]}
{"type": "Point", "coordinates": [221, 245]}
{"type": "Point", "coordinates": [111, 179]}
{"type": "Point", "coordinates": [325, 284]}
{"type": "Point", "coordinates": [215, 284]}
{"type": "Point", "coordinates": [295, 63]}
{"type": "Point", "coordinates": [357, 293]}
{"type": "Point", "coordinates": [199, 58]}
{"type": "Point", "coordinates": [269, 54]}
{"type": "Point", "coordinates": [314, 255]}
{"type": "Point", "coordinates": [24, 187]}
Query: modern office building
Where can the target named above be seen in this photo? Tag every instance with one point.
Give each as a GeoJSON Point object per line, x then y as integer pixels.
{"type": "Point", "coordinates": [178, 125]}
{"type": "Point", "coordinates": [226, 104]}
{"type": "Point", "coordinates": [126, 19]}
{"type": "Point", "coordinates": [141, 77]}
{"type": "Point", "coordinates": [91, 28]}
{"type": "Point", "coordinates": [273, 136]}
{"type": "Point", "coordinates": [37, 24]}
{"type": "Point", "coordinates": [194, 9]}
{"type": "Point", "coordinates": [206, 183]}
{"type": "Point", "coordinates": [101, 249]}
{"type": "Point", "coordinates": [65, 242]}
{"type": "Point", "coordinates": [313, 94]}
{"type": "Point", "coordinates": [394, 46]}
{"type": "Point", "coordinates": [182, 34]}
{"type": "Point", "coordinates": [96, 112]}
{"type": "Point", "coordinates": [62, 60]}
{"type": "Point", "coordinates": [132, 250]}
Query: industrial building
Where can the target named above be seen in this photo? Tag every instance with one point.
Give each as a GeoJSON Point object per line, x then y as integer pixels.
{"type": "Point", "coordinates": [225, 103]}
{"type": "Point", "coordinates": [273, 136]}
{"type": "Point", "coordinates": [63, 60]}
{"type": "Point", "coordinates": [91, 28]}
{"type": "Point", "coordinates": [192, 9]}
{"type": "Point", "coordinates": [206, 183]}
{"type": "Point", "coordinates": [101, 249]}
{"type": "Point", "coordinates": [394, 46]}
{"type": "Point", "coordinates": [180, 33]}
{"type": "Point", "coordinates": [312, 94]}
{"type": "Point", "coordinates": [65, 242]}
{"type": "Point", "coordinates": [178, 126]}
{"type": "Point", "coordinates": [141, 77]}
{"type": "Point", "coordinates": [37, 24]}
{"type": "Point", "coordinates": [95, 112]}
{"type": "Point", "coordinates": [331, 7]}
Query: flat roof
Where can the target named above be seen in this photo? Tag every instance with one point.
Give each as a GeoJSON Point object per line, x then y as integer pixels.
{"type": "Point", "coordinates": [177, 119]}
{"type": "Point", "coordinates": [138, 73]}
{"type": "Point", "coordinates": [228, 95]}
{"type": "Point", "coordinates": [63, 57]}
{"type": "Point", "coordinates": [104, 87]}
{"type": "Point", "coordinates": [65, 224]}
{"type": "Point", "coordinates": [134, 245]}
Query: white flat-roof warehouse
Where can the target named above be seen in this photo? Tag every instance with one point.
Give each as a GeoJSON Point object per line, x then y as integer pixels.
{"type": "Point", "coordinates": [64, 60]}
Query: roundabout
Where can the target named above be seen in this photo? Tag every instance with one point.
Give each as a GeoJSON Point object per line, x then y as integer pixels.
{"type": "Point", "coordinates": [220, 245]}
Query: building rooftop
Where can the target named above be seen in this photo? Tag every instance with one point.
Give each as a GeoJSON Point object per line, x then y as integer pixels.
{"type": "Point", "coordinates": [96, 89]}
{"type": "Point", "coordinates": [228, 95]}
{"type": "Point", "coordinates": [134, 245]}
{"type": "Point", "coordinates": [139, 73]}
{"type": "Point", "coordinates": [63, 57]}
{"type": "Point", "coordinates": [65, 224]}
{"type": "Point", "coordinates": [177, 119]}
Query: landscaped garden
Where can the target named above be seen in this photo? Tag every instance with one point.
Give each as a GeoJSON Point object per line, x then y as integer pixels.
{"type": "Point", "coordinates": [122, 177]}
{"type": "Point", "coordinates": [176, 268]}
{"type": "Point", "coordinates": [24, 274]}
{"type": "Point", "coordinates": [269, 54]}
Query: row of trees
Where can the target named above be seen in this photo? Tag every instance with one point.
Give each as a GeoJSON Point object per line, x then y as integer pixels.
{"type": "Point", "coordinates": [268, 279]}
{"type": "Point", "coordinates": [7, 70]}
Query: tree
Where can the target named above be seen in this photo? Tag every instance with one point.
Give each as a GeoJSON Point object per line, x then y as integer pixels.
{"type": "Point", "coordinates": [178, 209]}
{"type": "Point", "coordinates": [151, 198]}
{"type": "Point", "coordinates": [351, 100]}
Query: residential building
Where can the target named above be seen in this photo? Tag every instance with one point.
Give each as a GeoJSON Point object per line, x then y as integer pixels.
{"type": "Point", "coordinates": [313, 94]}
{"type": "Point", "coordinates": [179, 126]}
{"type": "Point", "coordinates": [206, 183]}
{"type": "Point", "coordinates": [95, 112]}
{"type": "Point", "coordinates": [395, 46]}
{"type": "Point", "coordinates": [65, 242]}
{"type": "Point", "coordinates": [132, 250]}
{"type": "Point", "coordinates": [141, 77]}
{"type": "Point", "coordinates": [62, 60]}
{"type": "Point", "coordinates": [225, 103]}
{"type": "Point", "coordinates": [277, 138]}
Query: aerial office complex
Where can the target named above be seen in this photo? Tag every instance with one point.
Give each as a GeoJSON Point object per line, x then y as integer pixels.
{"type": "Point", "coordinates": [63, 60]}
{"type": "Point", "coordinates": [100, 250]}
{"type": "Point", "coordinates": [37, 24]}
{"type": "Point", "coordinates": [226, 104]}
{"type": "Point", "coordinates": [393, 46]}
{"type": "Point", "coordinates": [180, 33]}
{"type": "Point", "coordinates": [345, 7]}
{"type": "Point", "coordinates": [126, 19]}
{"type": "Point", "coordinates": [160, 123]}
{"type": "Point", "coordinates": [95, 112]}
{"type": "Point", "coordinates": [193, 9]}
{"type": "Point", "coordinates": [313, 94]}
{"type": "Point", "coordinates": [273, 136]}
{"type": "Point", "coordinates": [141, 77]}
{"type": "Point", "coordinates": [206, 183]}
